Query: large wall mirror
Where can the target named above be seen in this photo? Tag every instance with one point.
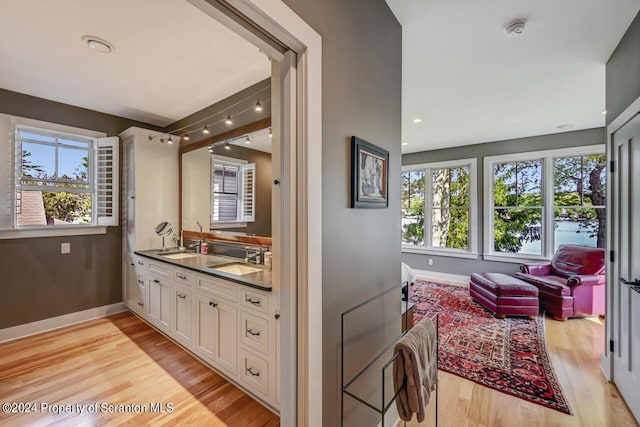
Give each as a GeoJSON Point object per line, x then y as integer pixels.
{"type": "Point", "coordinates": [226, 183]}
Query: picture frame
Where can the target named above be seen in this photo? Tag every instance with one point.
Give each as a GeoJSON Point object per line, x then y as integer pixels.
{"type": "Point", "coordinates": [369, 175]}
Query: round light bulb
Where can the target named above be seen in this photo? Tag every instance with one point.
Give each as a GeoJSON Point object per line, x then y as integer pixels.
{"type": "Point", "coordinates": [205, 130]}
{"type": "Point", "coordinates": [228, 120]}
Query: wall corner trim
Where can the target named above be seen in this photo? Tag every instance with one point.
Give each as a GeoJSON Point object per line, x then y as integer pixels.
{"type": "Point", "coordinates": [45, 325]}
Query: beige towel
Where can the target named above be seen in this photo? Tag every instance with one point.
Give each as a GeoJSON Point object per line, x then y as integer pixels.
{"type": "Point", "coordinates": [415, 370]}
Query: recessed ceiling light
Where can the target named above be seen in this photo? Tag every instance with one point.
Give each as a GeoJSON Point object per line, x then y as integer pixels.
{"type": "Point", "coordinates": [604, 113]}
{"type": "Point", "coordinates": [405, 143]}
{"type": "Point", "coordinates": [515, 28]}
{"type": "Point", "coordinates": [565, 126]}
{"type": "Point", "coordinates": [417, 120]}
{"type": "Point", "coordinates": [97, 44]}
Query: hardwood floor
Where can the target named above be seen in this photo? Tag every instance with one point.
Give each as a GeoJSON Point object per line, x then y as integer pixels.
{"type": "Point", "coordinates": [118, 360]}
{"type": "Point", "coordinates": [574, 347]}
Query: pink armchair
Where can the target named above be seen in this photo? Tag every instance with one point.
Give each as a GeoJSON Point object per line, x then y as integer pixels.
{"type": "Point", "coordinates": [572, 285]}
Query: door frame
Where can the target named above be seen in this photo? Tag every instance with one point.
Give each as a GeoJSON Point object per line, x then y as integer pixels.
{"type": "Point", "coordinates": [301, 275]}
{"type": "Point", "coordinates": [606, 362]}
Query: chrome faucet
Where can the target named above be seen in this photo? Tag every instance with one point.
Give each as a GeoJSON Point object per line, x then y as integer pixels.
{"type": "Point", "coordinates": [252, 252]}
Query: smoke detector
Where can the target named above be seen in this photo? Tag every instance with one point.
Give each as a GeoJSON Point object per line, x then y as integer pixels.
{"type": "Point", "coordinates": [515, 28]}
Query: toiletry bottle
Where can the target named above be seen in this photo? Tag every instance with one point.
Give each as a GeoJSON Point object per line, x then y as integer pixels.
{"type": "Point", "coordinates": [204, 248]}
{"type": "Point", "coordinates": [268, 259]}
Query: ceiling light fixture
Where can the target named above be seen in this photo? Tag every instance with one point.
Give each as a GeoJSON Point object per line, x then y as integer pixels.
{"type": "Point", "coordinates": [227, 146]}
{"type": "Point", "coordinates": [206, 130]}
{"type": "Point", "coordinates": [258, 106]}
{"type": "Point", "coordinates": [417, 120]}
{"type": "Point", "coordinates": [515, 28]}
{"type": "Point", "coordinates": [604, 113]}
{"type": "Point", "coordinates": [97, 44]}
{"type": "Point", "coordinates": [211, 149]}
{"type": "Point", "coordinates": [228, 121]}
{"type": "Point", "coordinates": [247, 140]}
{"type": "Point", "coordinates": [270, 134]}
{"type": "Point", "coordinates": [169, 140]}
{"type": "Point", "coordinates": [186, 137]}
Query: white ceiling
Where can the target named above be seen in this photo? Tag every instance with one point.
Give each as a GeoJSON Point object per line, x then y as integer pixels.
{"type": "Point", "coordinates": [469, 83]}
{"type": "Point", "coordinates": [260, 140]}
{"type": "Point", "coordinates": [170, 59]}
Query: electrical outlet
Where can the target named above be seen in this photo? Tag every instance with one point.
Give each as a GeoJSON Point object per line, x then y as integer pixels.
{"type": "Point", "coordinates": [430, 261]}
{"type": "Point", "coordinates": [65, 248]}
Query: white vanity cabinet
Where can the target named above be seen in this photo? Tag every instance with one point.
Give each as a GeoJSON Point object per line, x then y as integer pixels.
{"type": "Point", "coordinates": [230, 326]}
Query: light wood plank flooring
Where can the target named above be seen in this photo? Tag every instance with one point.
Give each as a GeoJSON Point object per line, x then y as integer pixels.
{"type": "Point", "coordinates": [574, 347]}
{"type": "Point", "coordinates": [118, 360]}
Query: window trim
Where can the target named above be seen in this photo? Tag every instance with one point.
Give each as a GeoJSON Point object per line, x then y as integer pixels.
{"type": "Point", "coordinates": [15, 232]}
{"type": "Point", "coordinates": [237, 223]}
{"type": "Point", "coordinates": [547, 157]}
{"type": "Point", "coordinates": [426, 248]}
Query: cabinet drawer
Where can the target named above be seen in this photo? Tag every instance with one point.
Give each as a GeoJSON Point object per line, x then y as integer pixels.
{"type": "Point", "coordinates": [183, 277]}
{"type": "Point", "coordinates": [159, 268]}
{"type": "Point", "coordinates": [254, 332]}
{"type": "Point", "coordinates": [254, 300]}
{"type": "Point", "coordinates": [218, 288]}
{"type": "Point", "coordinates": [254, 371]}
{"type": "Point", "coordinates": [139, 263]}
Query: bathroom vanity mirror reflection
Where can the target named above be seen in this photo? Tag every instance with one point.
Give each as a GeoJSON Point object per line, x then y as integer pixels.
{"type": "Point", "coordinates": [226, 185]}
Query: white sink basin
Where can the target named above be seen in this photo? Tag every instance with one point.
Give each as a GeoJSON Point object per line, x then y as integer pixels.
{"type": "Point", "coordinates": [238, 269]}
{"type": "Point", "coordinates": [180, 256]}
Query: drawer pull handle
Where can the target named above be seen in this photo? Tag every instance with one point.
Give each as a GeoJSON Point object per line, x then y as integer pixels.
{"type": "Point", "coordinates": [140, 263]}
{"type": "Point", "coordinates": [255, 334]}
{"type": "Point", "coordinates": [156, 281]}
{"type": "Point", "coordinates": [213, 304]}
{"type": "Point", "coordinates": [253, 301]}
{"type": "Point", "coordinates": [182, 277]}
{"type": "Point", "coordinates": [141, 304]}
{"type": "Point", "coordinates": [141, 282]}
{"type": "Point", "coordinates": [255, 374]}
{"type": "Point", "coordinates": [182, 296]}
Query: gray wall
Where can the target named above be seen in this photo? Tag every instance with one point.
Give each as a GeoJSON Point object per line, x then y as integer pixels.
{"type": "Point", "coordinates": [37, 281]}
{"type": "Point", "coordinates": [361, 95]}
{"type": "Point", "coordinates": [453, 265]}
{"type": "Point", "coordinates": [623, 72]}
{"type": "Point", "coordinates": [262, 224]}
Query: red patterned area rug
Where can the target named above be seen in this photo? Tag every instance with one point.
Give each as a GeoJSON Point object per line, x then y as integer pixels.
{"type": "Point", "coordinates": [509, 355]}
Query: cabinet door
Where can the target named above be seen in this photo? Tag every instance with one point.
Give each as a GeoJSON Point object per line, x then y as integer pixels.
{"type": "Point", "coordinates": [159, 303]}
{"type": "Point", "coordinates": [227, 339]}
{"type": "Point", "coordinates": [216, 338]}
{"type": "Point", "coordinates": [206, 321]}
{"type": "Point", "coordinates": [182, 311]}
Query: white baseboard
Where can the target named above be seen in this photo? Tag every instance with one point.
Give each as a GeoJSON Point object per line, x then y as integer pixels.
{"type": "Point", "coordinates": [454, 279]}
{"type": "Point", "coordinates": [21, 331]}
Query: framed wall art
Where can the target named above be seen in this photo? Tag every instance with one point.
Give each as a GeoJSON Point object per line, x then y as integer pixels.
{"type": "Point", "coordinates": [369, 175]}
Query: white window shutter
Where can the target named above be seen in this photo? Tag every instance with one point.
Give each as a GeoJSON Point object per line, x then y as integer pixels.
{"type": "Point", "coordinates": [107, 184]}
{"type": "Point", "coordinates": [248, 192]}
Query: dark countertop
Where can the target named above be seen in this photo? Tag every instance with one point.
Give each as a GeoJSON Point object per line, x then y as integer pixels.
{"type": "Point", "coordinates": [206, 264]}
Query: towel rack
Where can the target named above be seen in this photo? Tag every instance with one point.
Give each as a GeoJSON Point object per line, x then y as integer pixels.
{"type": "Point", "coordinates": [347, 384]}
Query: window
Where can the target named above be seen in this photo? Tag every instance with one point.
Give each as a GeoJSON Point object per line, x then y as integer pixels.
{"type": "Point", "coordinates": [438, 204]}
{"type": "Point", "coordinates": [233, 191]}
{"type": "Point", "coordinates": [62, 180]}
{"type": "Point", "coordinates": [538, 201]}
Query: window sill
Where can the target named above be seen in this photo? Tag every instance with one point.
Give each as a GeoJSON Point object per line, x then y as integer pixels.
{"type": "Point", "coordinates": [215, 225]}
{"type": "Point", "coordinates": [439, 252]}
{"type": "Point", "coordinates": [53, 232]}
{"type": "Point", "coordinates": [515, 259]}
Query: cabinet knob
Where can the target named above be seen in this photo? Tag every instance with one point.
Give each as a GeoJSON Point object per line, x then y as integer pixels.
{"type": "Point", "coordinates": [156, 281]}
{"type": "Point", "coordinates": [132, 264]}
{"type": "Point", "coordinates": [277, 316]}
{"type": "Point", "coordinates": [213, 304]}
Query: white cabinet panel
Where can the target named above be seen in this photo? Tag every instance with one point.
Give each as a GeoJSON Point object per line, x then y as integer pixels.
{"type": "Point", "coordinates": [227, 343]}
{"type": "Point", "coordinates": [217, 332]}
{"type": "Point", "coordinates": [182, 315]}
{"type": "Point", "coordinates": [159, 303]}
{"type": "Point", "coordinates": [254, 332]}
{"type": "Point", "coordinates": [254, 372]}
{"type": "Point", "coordinates": [206, 320]}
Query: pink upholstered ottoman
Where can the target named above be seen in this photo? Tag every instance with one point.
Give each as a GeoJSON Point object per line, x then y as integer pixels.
{"type": "Point", "coordinates": [504, 295]}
